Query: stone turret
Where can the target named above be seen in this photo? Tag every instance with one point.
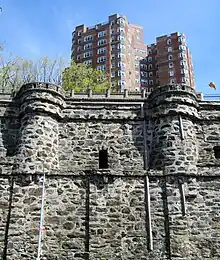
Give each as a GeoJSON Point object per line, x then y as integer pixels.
{"type": "Point", "coordinates": [173, 111]}
{"type": "Point", "coordinates": [41, 107]}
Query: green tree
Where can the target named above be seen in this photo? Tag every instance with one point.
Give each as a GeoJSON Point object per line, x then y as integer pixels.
{"type": "Point", "coordinates": [16, 71]}
{"type": "Point", "coordinates": [81, 77]}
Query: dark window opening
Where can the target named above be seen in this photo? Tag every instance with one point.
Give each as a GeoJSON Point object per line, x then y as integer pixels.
{"type": "Point", "coordinates": [103, 159]}
{"type": "Point", "coordinates": [217, 152]}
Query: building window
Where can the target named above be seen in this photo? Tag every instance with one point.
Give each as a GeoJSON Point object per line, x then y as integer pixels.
{"type": "Point", "coordinates": [122, 55]}
{"type": "Point", "coordinates": [113, 74]}
{"type": "Point", "coordinates": [79, 41]}
{"type": "Point", "coordinates": [181, 39]}
{"type": "Point", "coordinates": [143, 74]}
{"type": "Point", "coordinates": [88, 38]}
{"type": "Point", "coordinates": [123, 83]}
{"type": "Point", "coordinates": [144, 81]}
{"type": "Point", "coordinates": [183, 63]}
{"type": "Point", "coordinates": [101, 50]}
{"type": "Point", "coordinates": [87, 54]}
{"type": "Point", "coordinates": [101, 34]}
{"type": "Point", "coordinates": [151, 74]}
{"type": "Point", "coordinates": [101, 67]}
{"type": "Point", "coordinates": [78, 57]}
{"type": "Point", "coordinates": [143, 66]}
{"type": "Point", "coordinates": [79, 33]}
{"type": "Point", "coordinates": [149, 59]}
{"type": "Point", "coordinates": [171, 65]}
{"type": "Point", "coordinates": [172, 81]}
{"type": "Point", "coordinates": [170, 57]}
{"type": "Point", "coordinates": [87, 46]}
{"type": "Point", "coordinates": [102, 42]}
{"type": "Point", "coordinates": [120, 37]}
{"type": "Point", "coordinates": [182, 55]}
{"type": "Point", "coordinates": [150, 66]}
{"type": "Point", "coordinates": [120, 46]}
{"type": "Point", "coordinates": [79, 48]}
{"type": "Point", "coordinates": [121, 21]}
{"type": "Point", "coordinates": [103, 159]}
{"type": "Point", "coordinates": [101, 59]}
{"type": "Point", "coordinates": [88, 62]}
{"type": "Point", "coordinates": [170, 49]}
{"type": "Point", "coordinates": [112, 47]}
{"type": "Point", "coordinates": [121, 30]}
{"type": "Point", "coordinates": [168, 41]}
{"type": "Point", "coordinates": [121, 64]}
{"type": "Point", "coordinates": [171, 73]}
{"type": "Point", "coordinates": [151, 82]}
{"type": "Point", "coordinates": [181, 47]}
{"type": "Point", "coordinates": [149, 51]}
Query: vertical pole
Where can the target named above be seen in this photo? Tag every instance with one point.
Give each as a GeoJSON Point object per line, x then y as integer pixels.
{"type": "Point", "coordinates": [181, 127]}
{"type": "Point", "coordinates": [183, 198]}
{"type": "Point", "coordinates": [149, 226]}
{"type": "Point", "coordinates": [87, 229]}
{"type": "Point", "coordinates": [41, 219]}
{"type": "Point", "coordinates": [147, 188]}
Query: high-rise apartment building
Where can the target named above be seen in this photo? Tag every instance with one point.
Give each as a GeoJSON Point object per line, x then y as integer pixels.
{"type": "Point", "coordinates": [115, 47]}
{"type": "Point", "coordinates": [168, 61]}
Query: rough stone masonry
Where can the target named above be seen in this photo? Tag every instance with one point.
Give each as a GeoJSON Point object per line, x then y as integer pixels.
{"type": "Point", "coordinates": [127, 176]}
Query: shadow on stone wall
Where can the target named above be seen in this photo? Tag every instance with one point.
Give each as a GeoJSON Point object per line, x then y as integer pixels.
{"type": "Point", "coordinates": [9, 137]}
{"type": "Point", "coordinates": [5, 248]}
{"type": "Point", "coordinates": [163, 186]}
{"type": "Point", "coordinates": [141, 143]}
{"type": "Point", "coordinates": [10, 128]}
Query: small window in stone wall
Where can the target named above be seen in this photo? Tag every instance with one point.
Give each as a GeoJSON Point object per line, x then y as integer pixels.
{"type": "Point", "coordinates": [103, 159]}
{"type": "Point", "coordinates": [217, 152]}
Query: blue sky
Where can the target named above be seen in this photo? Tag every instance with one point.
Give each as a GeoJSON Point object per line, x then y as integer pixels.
{"type": "Point", "coordinates": [36, 28]}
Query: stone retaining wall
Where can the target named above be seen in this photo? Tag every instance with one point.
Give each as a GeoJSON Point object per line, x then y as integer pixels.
{"type": "Point", "coordinates": [160, 149]}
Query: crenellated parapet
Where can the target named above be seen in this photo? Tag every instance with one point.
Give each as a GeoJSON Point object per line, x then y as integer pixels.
{"type": "Point", "coordinates": [174, 99]}
{"type": "Point", "coordinates": [41, 98]}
